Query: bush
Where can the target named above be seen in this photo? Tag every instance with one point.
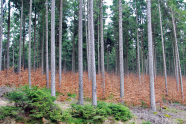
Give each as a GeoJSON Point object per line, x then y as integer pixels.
{"type": "Point", "coordinates": [38, 102]}
{"type": "Point", "coordinates": [8, 112]}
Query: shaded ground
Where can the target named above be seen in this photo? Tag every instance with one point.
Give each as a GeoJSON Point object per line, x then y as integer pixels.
{"type": "Point", "coordinates": [169, 113]}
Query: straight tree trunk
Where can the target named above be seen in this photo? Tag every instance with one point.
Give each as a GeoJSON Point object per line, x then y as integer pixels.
{"type": "Point", "coordinates": [37, 49]}
{"type": "Point", "coordinates": [60, 40]}
{"type": "Point", "coordinates": [162, 40]}
{"type": "Point", "coordinates": [13, 54]}
{"type": "Point", "coordinates": [1, 34]}
{"type": "Point", "coordinates": [177, 55]}
{"type": "Point", "coordinates": [34, 40]}
{"type": "Point", "coordinates": [80, 53]}
{"type": "Point", "coordinates": [29, 47]}
{"type": "Point", "coordinates": [92, 44]}
{"type": "Point", "coordinates": [121, 53]}
{"type": "Point", "coordinates": [151, 75]}
{"type": "Point", "coordinates": [86, 33]}
{"type": "Point", "coordinates": [73, 49]}
{"type": "Point", "coordinates": [42, 52]}
{"type": "Point", "coordinates": [102, 46]}
{"type": "Point", "coordinates": [107, 58]}
{"type": "Point", "coordinates": [116, 54]}
{"type": "Point", "coordinates": [8, 36]}
{"type": "Point", "coordinates": [98, 46]}
{"type": "Point", "coordinates": [183, 59]}
{"type": "Point", "coordinates": [47, 68]}
{"type": "Point", "coordinates": [23, 59]}
{"type": "Point", "coordinates": [20, 38]}
{"type": "Point", "coordinates": [53, 91]}
{"type": "Point", "coordinates": [89, 46]}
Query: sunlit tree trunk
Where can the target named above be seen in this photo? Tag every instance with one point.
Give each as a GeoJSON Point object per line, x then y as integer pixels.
{"type": "Point", "coordinates": [89, 46]}
{"type": "Point", "coordinates": [86, 31]}
{"type": "Point", "coordinates": [102, 46]}
{"type": "Point", "coordinates": [121, 52]}
{"type": "Point", "coordinates": [60, 40]}
{"type": "Point", "coordinates": [29, 46]}
{"type": "Point", "coordinates": [92, 44]}
{"type": "Point", "coordinates": [98, 46]}
{"type": "Point", "coordinates": [80, 54]}
{"type": "Point", "coordinates": [151, 75]}
{"type": "Point", "coordinates": [53, 91]}
{"type": "Point", "coordinates": [47, 68]}
{"type": "Point", "coordinates": [162, 40]}
{"type": "Point", "coordinates": [1, 33]}
{"type": "Point", "coordinates": [8, 36]}
{"type": "Point", "coordinates": [20, 38]}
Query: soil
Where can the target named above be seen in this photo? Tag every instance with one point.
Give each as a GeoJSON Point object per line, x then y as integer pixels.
{"type": "Point", "coordinates": [170, 113]}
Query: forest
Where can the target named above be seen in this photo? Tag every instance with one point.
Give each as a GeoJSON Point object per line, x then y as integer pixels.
{"type": "Point", "coordinates": [69, 46]}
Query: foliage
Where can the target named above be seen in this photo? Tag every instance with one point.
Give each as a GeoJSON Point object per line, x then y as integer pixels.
{"type": "Point", "coordinates": [38, 102]}
{"type": "Point", "coordinates": [71, 95]}
{"type": "Point", "coordinates": [97, 114]}
{"type": "Point", "coordinates": [147, 122]}
{"type": "Point", "coordinates": [9, 111]}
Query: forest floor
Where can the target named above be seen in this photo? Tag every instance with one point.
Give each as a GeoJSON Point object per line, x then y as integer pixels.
{"type": "Point", "coordinates": [168, 113]}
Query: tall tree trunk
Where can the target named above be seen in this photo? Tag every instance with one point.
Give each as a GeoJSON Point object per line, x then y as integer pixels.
{"type": "Point", "coordinates": [60, 40]}
{"type": "Point", "coordinates": [107, 58]}
{"type": "Point", "coordinates": [42, 51]}
{"type": "Point", "coordinates": [183, 59]}
{"type": "Point", "coordinates": [80, 54]}
{"type": "Point", "coordinates": [121, 52]}
{"type": "Point", "coordinates": [86, 32]}
{"type": "Point", "coordinates": [102, 46]}
{"type": "Point", "coordinates": [151, 75]}
{"type": "Point", "coordinates": [127, 71]}
{"type": "Point", "coordinates": [53, 91]}
{"type": "Point", "coordinates": [13, 54]}
{"type": "Point", "coordinates": [162, 40]}
{"type": "Point", "coordinates": [177, 55]}
{"type": "Point", "coordinates": [98, 46]}
{"type": "Point", "coordinates": [73, 49]}
{"type": "Point", "coordinates": [47, 68]}
{"type": "Point", "coordinates": [1, 34]}
{"type": "Point", "coordinates": [138, 52]}
{"type": "Point", "coordinates": [23, 58]}
{"type": "Point", "coordinates": [132, 57]}
{"type": "Point", "coordinates": [20, 38]}
{"type": "Point", "coordinates": [92, 44]}
{"type": "Point", "coordinates": [89, 46]}
{"type": "Point", "coordinates": [29, 46]}
{"type": "Point", "coordinates": [116, 54]}
{"type": "Point", "coordinates": [8, 36]}
{"type": "Point", "coordinates": [154, 52]}
{"type": "Point", "coordinates": [37, 49]}
{"type": "Point", "coordinates": [34, 40]}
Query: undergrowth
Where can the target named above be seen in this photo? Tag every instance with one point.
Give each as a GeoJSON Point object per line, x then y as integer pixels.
{"type": "Point", "coordinates": [37, 103]}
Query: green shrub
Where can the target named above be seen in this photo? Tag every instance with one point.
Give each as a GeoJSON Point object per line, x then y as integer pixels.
{"type": "Point", "coordinates": [10, 111]}
{"type": "Point", "coordinates": [147, 122]}
{"type": "Point", "coordinates": [120, 112]}
{"type": "Point", "coordinates": [38, 102]}
{"type": "Point", "coordinates": [71, 95]}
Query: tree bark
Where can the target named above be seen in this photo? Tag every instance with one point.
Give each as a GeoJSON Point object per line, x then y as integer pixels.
{"type": "Point", "coordinates": [73, 48]}
{"type": "Point", "coordinates": [47, 68]}
{"type": "Point", "coordinates": [92, 44]}
{"type": "Point", "coordinates": [8, 36]}
{"type": "Point", "coordinates": [20, 38]}
{"type": "Point", "coordinates": [121, 52]}
{"type": "Point", "coordinates": [34, 40]}
{"type": "Point", "coordinates": [80, 54]}
{"type": "Point", "coordinates": [177, 56]}
{"type": "Point", "coordinates": [23, 63]}
{"type": "Point", "coordinates": [42, 51]}
{"type": "Point", "coordinates": [162, 40]}
{"type": "Point", "coordinates": [1, 34]}
{"type": "Point", "coordinates": [102, 46]}
{"type": "Point", "coordinates": [98, 46]}
{"type": "Point", "coordinates": [53, 91]}
{"type": "Point", "coordinates": [89, 46]}
{"type": "Point", "coordinates": [151, 75]}
{"type": "Point", "coordinates": [60, 40]}
{"type": "Point", "coordinates": [29, 47]}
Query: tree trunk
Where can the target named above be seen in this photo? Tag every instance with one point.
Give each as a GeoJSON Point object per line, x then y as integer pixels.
{"type": "Point", "coordinates": [42, 51]}
{"type": "Point", "coordinates": [35, 40]}
{"type": "Point", "coordinates": [60, 40]}
{"type": "Point", "coordinates": [29, 46]}
{"type": "Point", "coordinates": [107, 58]}
{"type": "Point", "coordinates": [151, 75]}
{"type": "Point", "coordinates": [13, 54]}
{"type": "Point", "coordinates": [53, 92]}
{"type": "Point", "coordinates": [20, 38]}
{"type": "Point", "coordinates": [92, 44]}
{"type": "Point", "coordinates": [164, 61]}
{"type": "Point", "coordinates": [183, 59]}
{"type": "Point", "coordinates": [80, 54]}
{"type": "Point", "coordinates": [116, 54]}
{"type": "Point", "coordinates": [102, 46]}
{"type": "Point", "coordinates": [138, 49]}
{"type": "Point", "coordinates": [177, 55]}
{"type": "Point", "coordinates": [8, 36]}
{"type": "Point", "coordinates": [1, 34]}
{"type": "Point", "coordinates": [47, 68]}
{"type": "Point", "coordinates": [23, 63]}
{"type": "Point", "coordinates": [98, 46]}
{"type": "Point", "coordinates": [121, 52]}
{"type": "Point", "coordinates": [86, 33]}
{"type": "Point", "coordinates": [73, 49]}
{"type": "Point", "coordinates": [89, 46]}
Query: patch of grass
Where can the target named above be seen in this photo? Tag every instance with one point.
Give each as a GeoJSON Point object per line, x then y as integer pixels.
{"type": "Point", "coordinates": [71, 95]}
{"type": "Point", "coordinates": [166, 115]}
{"type": "Point", "coordinates": [146, 122]}
{"type": "Point", "coordinates": [143, 104]}
{"type": "Point", "coordinates": [155, 113]}
{"type": "Point", "coordinates": [179, 121]}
